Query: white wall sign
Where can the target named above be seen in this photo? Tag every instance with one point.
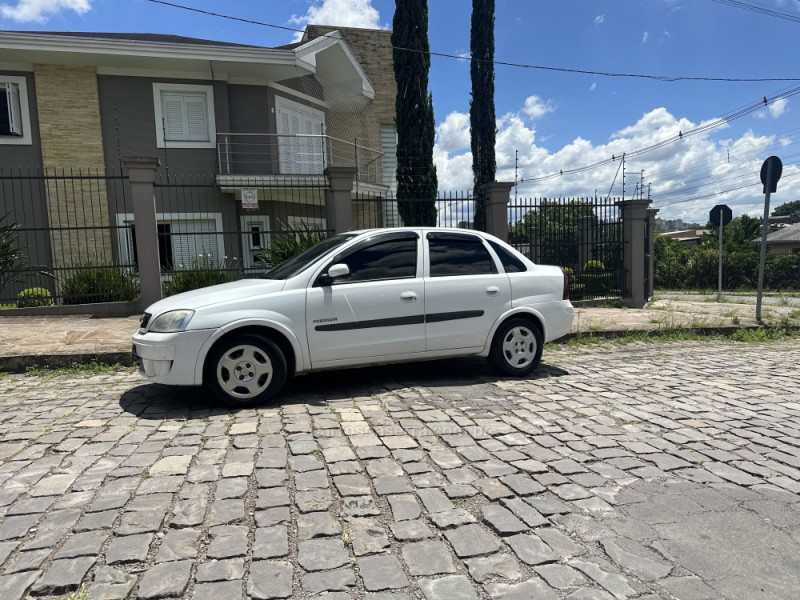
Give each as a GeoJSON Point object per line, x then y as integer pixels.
{"type": "Point", "coordinates": [249, 198]}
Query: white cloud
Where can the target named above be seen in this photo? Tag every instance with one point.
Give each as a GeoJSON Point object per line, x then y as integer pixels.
{"type": "Point", "coordinates": [536, 108]}
{"type": "Point", "coordinates": [453, 133]}
{"type": "Point", "coordinates": [593, 86]}
{"type": "Point", "coordinates": [644, 37]}
{"type": "Point", "coordinates": [38, 11]}
{"type": "Point", "coordinates": [777, 108]}
{"type": "Point", "coordinates": [599, 19]}
{"type": "Point", "coordinates": [343, 13]}
{"type": "Point", "coordinates": [688, 177]}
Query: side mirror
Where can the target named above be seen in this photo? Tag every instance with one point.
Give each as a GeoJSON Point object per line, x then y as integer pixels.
{"type": "Point", "coordinates": [338, 271]}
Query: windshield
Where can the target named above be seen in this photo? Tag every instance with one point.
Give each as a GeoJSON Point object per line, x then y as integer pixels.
{"type": "Point", "coordinates": [296, 264]}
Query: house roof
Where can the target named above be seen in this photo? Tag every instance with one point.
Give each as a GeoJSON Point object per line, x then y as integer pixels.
{"type": "Point", "coordinates": [328, 58]}
{"type": "Point", "coordinates": [785, 235]}
{"type": "Point", "coordinates": [143, 37]}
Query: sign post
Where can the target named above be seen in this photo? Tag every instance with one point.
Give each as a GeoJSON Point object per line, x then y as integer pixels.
{"type": "Point", "coordinates": [720, 216]}
{"type": "Point", "coordinates": [771, 172]}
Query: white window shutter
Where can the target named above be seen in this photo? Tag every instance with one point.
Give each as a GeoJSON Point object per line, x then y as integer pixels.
{"type": "Point", "coordinates": [14, 109]}
{"type": "Point", "coordinates": [196, 118]}
{"type": "Point", "coordinates": [190, 239]}
{"type": "Point", "coordinates": [174, 124]}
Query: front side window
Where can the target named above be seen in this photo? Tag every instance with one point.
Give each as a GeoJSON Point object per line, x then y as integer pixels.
{"type": "Point", "coordinates": [184, 115]}
{"type": "Point", "coordinates": [459, 256]}
{"type": "Point", "coordinates": [392, 259]}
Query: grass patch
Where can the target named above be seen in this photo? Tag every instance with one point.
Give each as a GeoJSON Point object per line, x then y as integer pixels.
{"type": "Point", "coordinates": [668, 335]}
{"type": "Point", "coordinates": [88, 369]}
{"type": "Point", "coordinates": [80, 594]}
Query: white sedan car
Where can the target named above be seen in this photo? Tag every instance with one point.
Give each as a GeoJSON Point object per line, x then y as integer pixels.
{"type": "Point", "coordinates": [359, 298]}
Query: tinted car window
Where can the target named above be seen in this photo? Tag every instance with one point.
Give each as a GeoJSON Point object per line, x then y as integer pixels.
{"type": "Point", "coordinates": [459, 257]}
{"type": "Point", "coordinates": [511, 263]}
{"type": "Point", "coordinates": [394, 259]}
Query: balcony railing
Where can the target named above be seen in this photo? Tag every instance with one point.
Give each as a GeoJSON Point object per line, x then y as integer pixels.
{"type": "Point", "coordinates": [298, 154]}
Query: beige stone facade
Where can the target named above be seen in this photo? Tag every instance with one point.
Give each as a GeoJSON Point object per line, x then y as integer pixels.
{"type": "Point", "coordinates": [71, 140]}
{"type": "Point", "coordinates": [372, 48]}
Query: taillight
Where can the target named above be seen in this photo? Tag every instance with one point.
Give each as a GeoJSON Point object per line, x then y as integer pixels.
{"type": "Point", "coordinates": [565, 295]}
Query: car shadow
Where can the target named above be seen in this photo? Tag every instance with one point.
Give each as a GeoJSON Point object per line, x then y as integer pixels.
{"type": "Point", "coordinates": [448, 378]}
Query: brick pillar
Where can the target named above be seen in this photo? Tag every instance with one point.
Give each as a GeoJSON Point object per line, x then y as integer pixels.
{"type": "Point", "coordinates": [497, 196]}
{"type": "Point", "coordinates": [339, 199]}
{"type": "Point", "coordinates": [142, 175]}
{"type": "Point", "coordinates": [634, 224]}
{"type": "Point", "coordinates": [651, 236]}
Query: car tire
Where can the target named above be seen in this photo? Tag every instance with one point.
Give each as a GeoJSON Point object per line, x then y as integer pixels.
{"type": "Point", "coordinates": [516, 347]}
{"type": "Point", "coordinates": [246, 370]}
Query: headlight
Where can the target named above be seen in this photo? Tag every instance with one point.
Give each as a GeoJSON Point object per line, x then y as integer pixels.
{"type": "Point", "coordinates": [172, 321]}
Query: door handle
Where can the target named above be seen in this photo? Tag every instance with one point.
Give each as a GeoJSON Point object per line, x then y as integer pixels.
{"type": "Point", "coordinates": [409, 296]}
{"type": "Point", "coordinates": [493, 290]}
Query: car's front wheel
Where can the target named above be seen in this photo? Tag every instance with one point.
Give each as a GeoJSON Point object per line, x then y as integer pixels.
{"type": "Point", "coordinates": [246, 370]}
{"type": "Point", "coordinates": [516, 347]}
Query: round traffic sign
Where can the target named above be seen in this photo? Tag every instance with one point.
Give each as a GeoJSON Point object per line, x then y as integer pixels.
{"type": "Point", "coordinates": [777, 171]}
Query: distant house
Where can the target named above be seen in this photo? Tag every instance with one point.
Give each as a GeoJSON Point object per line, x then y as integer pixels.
{"type": "Point", "coordinates": [232, 117]}
{"type": "Point", "coordinates": [784, 240]}
{"type": "Point", "coordinates": [690, 237]}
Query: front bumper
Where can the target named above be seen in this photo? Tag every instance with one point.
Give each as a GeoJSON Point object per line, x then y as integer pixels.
{"type": "Point", "coordinates": [170, 358]}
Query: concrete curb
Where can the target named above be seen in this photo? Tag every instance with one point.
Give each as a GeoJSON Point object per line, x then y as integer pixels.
{"type": "Point", "coordinates": [23, 362]}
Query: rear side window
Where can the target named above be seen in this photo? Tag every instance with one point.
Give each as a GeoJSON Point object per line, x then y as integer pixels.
{"type": "Point", "coordinates": [459, 257]}
{"type": "Point", "coordinates": [510, 263]}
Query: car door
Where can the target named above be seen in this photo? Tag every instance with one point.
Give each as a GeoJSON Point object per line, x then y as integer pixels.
{"type": "Point", "coordinates": [375, 313]}
{"type": "Point", "coordinates": [464, 293]}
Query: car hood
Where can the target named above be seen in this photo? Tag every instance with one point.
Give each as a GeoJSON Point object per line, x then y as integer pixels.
{"type": "Point", "coordinates": [217, 294]}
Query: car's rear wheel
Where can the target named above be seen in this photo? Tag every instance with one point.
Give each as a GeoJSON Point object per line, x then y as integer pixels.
{"type": "Point", "coordinates": [246, 370]}
{"type": "Point", "coordinates": [516, 347]}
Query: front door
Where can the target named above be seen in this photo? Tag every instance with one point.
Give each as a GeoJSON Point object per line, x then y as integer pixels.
{"type": "Point", "coordinates": [375, 313]}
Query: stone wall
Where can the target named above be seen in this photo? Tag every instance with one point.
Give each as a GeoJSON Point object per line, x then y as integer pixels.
{"type": "Point", "coordinates": [72, 144]}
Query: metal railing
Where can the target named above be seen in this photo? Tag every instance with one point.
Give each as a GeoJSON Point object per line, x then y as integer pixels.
{"type": "Point", "coordinates": [297, 154]}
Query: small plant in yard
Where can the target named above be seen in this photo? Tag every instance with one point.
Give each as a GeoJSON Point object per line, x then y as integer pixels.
{"type": "Point", "coordinates": [293, 241]}
{"type": "Point", "coordinates": [89, 283]}
{"type": "Point", "coordinates": [79, 594]}
{"type": "Point", "coordinates": [735, 320]}
{"type": "Point", "coordinates": [202, 272]}
{"type": "Point", "coordinates": [33, 297]}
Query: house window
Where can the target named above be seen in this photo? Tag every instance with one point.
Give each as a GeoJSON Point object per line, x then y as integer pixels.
{"type": "Point", "coordinates": [184, 115]}
{"type": "Point", "coordinates": [15, 124]}
{"type": "Point", "coordinates": [255, 239]}
{"type": "Point", "coordinates": [185, 240]}
{"type": "Point", "coordinates": [301, 146]}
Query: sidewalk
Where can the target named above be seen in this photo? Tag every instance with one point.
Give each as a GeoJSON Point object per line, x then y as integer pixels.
{"type": "Point", "coordinates": [64, 340]}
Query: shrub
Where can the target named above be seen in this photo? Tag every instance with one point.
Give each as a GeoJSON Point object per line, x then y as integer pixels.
{"type": "Point", "coordinates": [202, 272]}
{"type": "Point", "coordinates": [99, 284]}
{"type": "Point", "coordinates": [32, 297]}
{"type": "Point", "coordinates": [10, 252]}
{"type": "Point", "coordinates": [594, 266]}
{"type": "Point", "coordinates": [291, 243]}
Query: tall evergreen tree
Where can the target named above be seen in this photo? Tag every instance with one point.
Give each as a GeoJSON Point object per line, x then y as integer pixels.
{"type": "Point", "coordinates": [416, 173]}
{"type": "Point", "coordinates": [481, 108]}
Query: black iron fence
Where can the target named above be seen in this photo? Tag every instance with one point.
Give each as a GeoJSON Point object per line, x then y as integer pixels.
{"type": "Point", "coordinates": [582, 235]}
{"type": "Point", "coordinates": [59, 240]}
{"type": "Point", "coordinates": [448, 209]}
{"type": "Point", "coordinates": [212, 231]}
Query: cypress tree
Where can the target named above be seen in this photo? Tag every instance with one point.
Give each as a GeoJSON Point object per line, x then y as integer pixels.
{"type": "Point", "coordinates": [416, 173]}
{"type": "Point", "coordinates": [481, 107]}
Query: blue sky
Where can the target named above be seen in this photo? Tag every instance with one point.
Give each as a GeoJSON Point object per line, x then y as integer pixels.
{"type": "Point", "coordinates": [557, 121]}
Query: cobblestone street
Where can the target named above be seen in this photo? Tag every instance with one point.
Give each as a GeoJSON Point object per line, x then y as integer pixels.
{"type": "Point", "coordinates": [619, 471]}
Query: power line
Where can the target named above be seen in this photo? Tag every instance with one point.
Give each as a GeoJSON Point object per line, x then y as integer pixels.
{"type": "Point", "coordinates": [663, 78]}
{"type": "Point", "coordinates": [763, 9]}
{"type": "Point", "coordinates": [732, 116]}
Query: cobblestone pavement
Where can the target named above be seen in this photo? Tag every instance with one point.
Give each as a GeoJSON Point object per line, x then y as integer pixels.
{"type": "Point", "coordinates": [646, 471]}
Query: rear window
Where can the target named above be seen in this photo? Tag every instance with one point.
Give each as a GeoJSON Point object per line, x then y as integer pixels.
{"type": "Point", "coordinates": [511, 263]}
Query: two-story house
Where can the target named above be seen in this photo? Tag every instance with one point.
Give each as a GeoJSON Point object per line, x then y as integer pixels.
{"type": "Point", "coordinates": [243, 134]}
